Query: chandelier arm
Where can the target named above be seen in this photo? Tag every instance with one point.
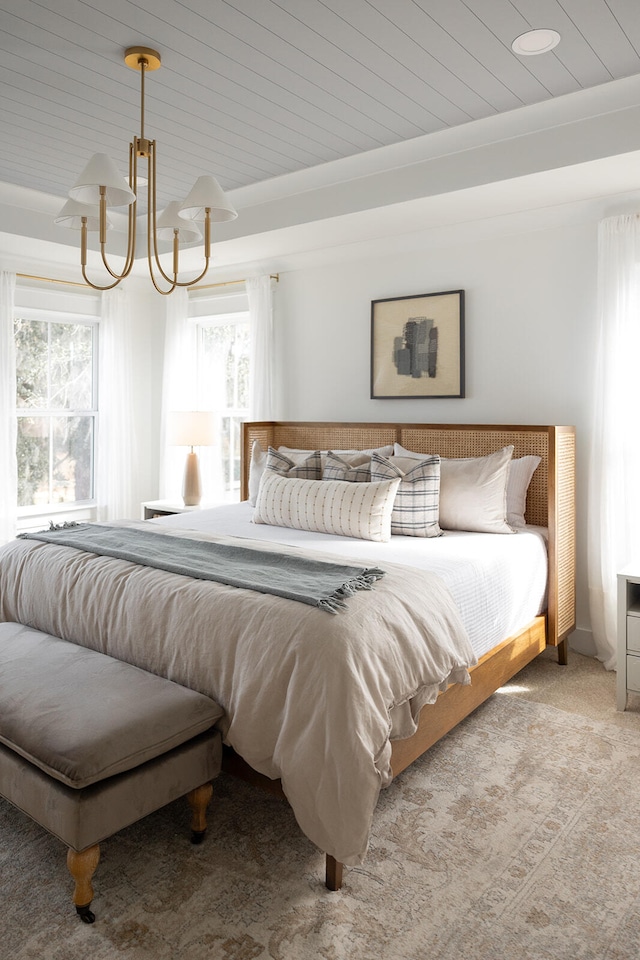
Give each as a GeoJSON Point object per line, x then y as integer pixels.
{"type": "Point", "coordinates": [189, 283]}
{"type": "Point", "coordinates": [128, 265]}
{"type": "Point", "coordinates": [152, 235]}
{"type": "Point", "coordinates": [83, 247]}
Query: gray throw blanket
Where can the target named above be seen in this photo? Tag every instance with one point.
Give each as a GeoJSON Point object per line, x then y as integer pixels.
{"type": "Point", "coordinates": [316, 582]}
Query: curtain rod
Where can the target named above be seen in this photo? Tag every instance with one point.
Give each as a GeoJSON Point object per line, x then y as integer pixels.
{"type": "Point", "coordinates": [226, 283]}
{"type": "Point", "coordinates": [75, 283]}
{"type": "Point", "coordinates": [67, 283]}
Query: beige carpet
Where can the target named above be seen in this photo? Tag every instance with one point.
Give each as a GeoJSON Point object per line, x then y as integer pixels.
{"type": "Point", "coordinates": [518, 836]}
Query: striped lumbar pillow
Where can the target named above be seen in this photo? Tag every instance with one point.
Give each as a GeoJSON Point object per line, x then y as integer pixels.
{"type": "Point", "coordinates": [361, 510]}
{"type": "Point", "coordinates": [415, 511]}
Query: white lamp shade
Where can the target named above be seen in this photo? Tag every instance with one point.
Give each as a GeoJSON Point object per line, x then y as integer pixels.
{"type": "Point", "coordinates": [72, 213]}
{"type": "Point", "coordinates": [101, 171]}
{"type": "Point", "coordinates": [207, 192]}
{"type": "Point", "coordinates": [170, 220]}
{"type": "Point", "coordinates": [190, 428]}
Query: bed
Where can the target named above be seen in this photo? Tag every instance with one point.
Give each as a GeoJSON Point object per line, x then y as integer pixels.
{"type": "Point", "coordinates": [144, 616]}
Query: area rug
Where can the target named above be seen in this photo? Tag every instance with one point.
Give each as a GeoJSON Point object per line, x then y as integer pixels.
{"type": "Point", "coordinates": [517, 837]}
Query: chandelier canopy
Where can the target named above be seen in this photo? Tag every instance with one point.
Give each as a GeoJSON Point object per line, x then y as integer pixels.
{"type": "Point", "coordinates": [100, 186]}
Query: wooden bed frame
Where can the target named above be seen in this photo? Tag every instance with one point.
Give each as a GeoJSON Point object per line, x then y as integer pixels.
{"type": "Point", "coordinates": [550, 503]}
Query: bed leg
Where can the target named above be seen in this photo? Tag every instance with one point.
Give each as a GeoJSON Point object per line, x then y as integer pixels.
{"type": "Point", "coordinates": [563, 652]}
{"type": "Point", "coordinates": [334, 874]}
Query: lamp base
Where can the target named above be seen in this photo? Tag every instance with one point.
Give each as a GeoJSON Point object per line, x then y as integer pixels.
{"type": "Point", "coordinates": [191, 489]}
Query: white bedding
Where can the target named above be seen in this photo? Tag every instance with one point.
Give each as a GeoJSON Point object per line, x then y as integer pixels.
{"type": "Point", "coordinates": [498, 581]}
{"type": "Point", "coordinates": [309, 697]}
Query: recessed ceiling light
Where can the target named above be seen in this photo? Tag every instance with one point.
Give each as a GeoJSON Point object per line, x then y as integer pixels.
{"type": "Point", "coordinates": [535, 41]}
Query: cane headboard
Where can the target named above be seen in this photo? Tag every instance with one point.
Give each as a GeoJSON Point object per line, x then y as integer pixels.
{"type": "Point", "coordinates": [550, 499]}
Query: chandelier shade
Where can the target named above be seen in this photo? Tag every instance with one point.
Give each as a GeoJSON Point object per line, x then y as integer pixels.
{"type": "Point", "coordinates": [206, 194]}
{"type": "Point", "coordinates": [101, 185]}
{"type": "Point", "coordinates": [101, 171]}
{"type": "Point", "coordinates": [73, 212]}
{"type": "Point", "coordinates": [170, 220]}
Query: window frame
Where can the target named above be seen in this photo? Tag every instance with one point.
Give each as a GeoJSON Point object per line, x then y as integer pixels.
{"type": "Point", "coordinates": [80, 509]}
{"type": "Point", "coordinates": [237, 317]}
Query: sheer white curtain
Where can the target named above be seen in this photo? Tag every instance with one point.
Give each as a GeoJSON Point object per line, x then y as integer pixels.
{"type": "Point", "coordinates": [179, 384]}
{"type": "Point", "coordinates": [117, 441]}
{"type": "Point", "coordinates": [8, 425]}
{"type": "Point", "coordinates": [614, 475]}
{"type": "Point", "coordinates": [261, 393]}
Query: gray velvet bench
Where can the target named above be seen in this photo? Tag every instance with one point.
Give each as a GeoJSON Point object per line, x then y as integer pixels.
{"type": "Point", "coordinates": [90, 745]}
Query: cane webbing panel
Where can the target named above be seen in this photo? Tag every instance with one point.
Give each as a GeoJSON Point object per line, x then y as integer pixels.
{"type": "Point", "coordinates": [562, 538]}
{"type": "Point", "coordinates": [480, 441]}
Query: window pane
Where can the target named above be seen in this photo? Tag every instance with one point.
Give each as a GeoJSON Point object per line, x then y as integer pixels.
{"type": "Point", "coordinates": [224, 389]}
{"type": "Point", "coordinates": [72, 459]}
{"type": "Point", "coordinates": [55, 373]}
{"type": "Point", "coordinates": [32, 357]}
{"type": "Point", "coordinates": [226, 365]}
{"type": "Point", "coordinates": [33, 460]}
{"type": "Point", "coordinates": [71, 366]}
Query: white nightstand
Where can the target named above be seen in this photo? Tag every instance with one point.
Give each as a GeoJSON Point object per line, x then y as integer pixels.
{"type": "Point", "coordinates": [165, 508]}
{"type": "Point", "coordinates": [628, 679]}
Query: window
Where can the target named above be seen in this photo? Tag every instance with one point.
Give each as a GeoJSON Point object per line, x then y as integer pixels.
{"type": "Point", "coordinates": [223, 359]}
{"type": "Point", "coordinates": [56, 404]}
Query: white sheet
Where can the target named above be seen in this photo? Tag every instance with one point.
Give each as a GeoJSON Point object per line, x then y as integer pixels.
{"type": "Point", "coordinates": [498, 581]}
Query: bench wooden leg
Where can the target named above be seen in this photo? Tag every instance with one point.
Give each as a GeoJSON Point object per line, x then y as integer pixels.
{"type": "Point", "coordinates": [563, 652]}
{"type": "Point", "coordinates": [82, 867]}
{"type": "Point", "coordinates": [199, 800]}
{"type": "Point", "coordinates": [333, 874]}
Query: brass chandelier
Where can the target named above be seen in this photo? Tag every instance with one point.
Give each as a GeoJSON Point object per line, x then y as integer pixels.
{"type": "Point", "coordinates": [101, 186]}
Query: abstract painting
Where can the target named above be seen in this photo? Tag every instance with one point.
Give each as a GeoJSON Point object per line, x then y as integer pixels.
{"type": "Point", "coordinates": [417, 346]}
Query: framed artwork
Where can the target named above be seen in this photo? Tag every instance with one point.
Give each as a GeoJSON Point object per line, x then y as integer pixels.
{"type": "Point", "coordinates": [417, 346]}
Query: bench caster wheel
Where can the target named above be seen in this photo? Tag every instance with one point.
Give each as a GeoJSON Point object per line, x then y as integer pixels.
{"type": "Point", "coordinates": [85, 914]}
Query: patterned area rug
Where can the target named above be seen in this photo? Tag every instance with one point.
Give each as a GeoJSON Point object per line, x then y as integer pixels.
{"type": "Point", "coordinates": [518, 836]}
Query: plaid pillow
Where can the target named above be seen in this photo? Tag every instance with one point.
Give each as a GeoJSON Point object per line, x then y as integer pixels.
{"type": "Point", "coordinates": [357, 470]}
{"type": "Point", "coordinates": [415, 509]}
{"type": "Point", "coordinates": [309, 469]}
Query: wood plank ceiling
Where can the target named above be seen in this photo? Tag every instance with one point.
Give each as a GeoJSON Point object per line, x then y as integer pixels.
{"type": "Point", "coordinates": [254, 89]}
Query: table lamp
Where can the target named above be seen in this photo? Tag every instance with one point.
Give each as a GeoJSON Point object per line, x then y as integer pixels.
{"type": "Point", "coordinates": [191, 428]}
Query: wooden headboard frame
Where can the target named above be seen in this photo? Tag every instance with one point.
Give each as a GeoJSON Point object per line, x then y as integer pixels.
{"type": "Point", "coordinates": [550, 500]}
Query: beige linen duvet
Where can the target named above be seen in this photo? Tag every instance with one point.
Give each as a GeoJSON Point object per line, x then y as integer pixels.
{"type": "Point", "coordinates": [309, 697]}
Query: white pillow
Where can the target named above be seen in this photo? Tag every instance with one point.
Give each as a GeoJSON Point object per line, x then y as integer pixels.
{"type": "Point", "coordinates": [257, 466]}
{"type": "Point", "coordinates": [361, 510]}
{"type": "Point", "coordinates": [473, 493]}
{"type": "Point", "coordinates": [415, 510]}
{"type": "Point", "coordinates": [521, 471]}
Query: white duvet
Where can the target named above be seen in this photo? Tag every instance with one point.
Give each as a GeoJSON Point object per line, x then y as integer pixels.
{"type": "Point", "coordinates": [498, 582]}
{"type": "Point", "coordinates": [310, 697]}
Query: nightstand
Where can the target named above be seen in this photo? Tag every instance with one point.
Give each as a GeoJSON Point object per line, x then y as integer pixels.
{"type": "Point", "coordinates": [165, 508]}
{"type": "Point", "coordinates": [628, 679]}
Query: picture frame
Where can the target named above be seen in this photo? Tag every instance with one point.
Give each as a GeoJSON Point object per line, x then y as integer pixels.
{"type": "Point", "coordinates": [417, 346]}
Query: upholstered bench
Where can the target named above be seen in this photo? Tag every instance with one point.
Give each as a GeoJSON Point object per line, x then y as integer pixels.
{"type": "Point", "coordinates": [89, 745]}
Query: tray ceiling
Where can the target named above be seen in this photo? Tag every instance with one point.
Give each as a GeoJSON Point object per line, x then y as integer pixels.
{"type": "Point", "coordinates": [250, 90]}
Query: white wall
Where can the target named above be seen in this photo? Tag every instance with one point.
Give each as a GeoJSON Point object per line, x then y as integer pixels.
{"type": "Point", "coordinates": [530, 320]}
